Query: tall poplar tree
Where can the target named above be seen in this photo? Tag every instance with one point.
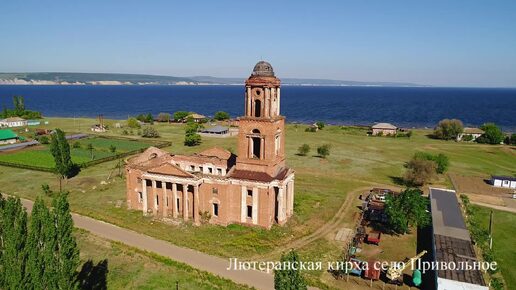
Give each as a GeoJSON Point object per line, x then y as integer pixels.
{"type": "Point", "coordinates": [38, 246]}
{"type": "Point", "coordinates": [67, 252]}
{"type": "Point", "coordinates": [14, 238]}
{"type": "Point", "coordinates": [60, 150]}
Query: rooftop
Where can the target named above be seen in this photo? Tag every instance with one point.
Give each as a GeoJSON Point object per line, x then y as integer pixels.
{"type": "Point", "coordinates": [384, 126]}
{"type": "Point", "coordinates": [7, 134]}
{"type": "Point", "coordinates": [473, 131]}
{"type": "Point", "coordinates": [504, 177]}
{"type": "Point", "coordinates": [263, 68]}
{"type": "Point", "coordinates": [446, 215]}
{"type": "Point", "coordinates": [215, 129]}
{"type": "Point", "coordinates": [13, 119]}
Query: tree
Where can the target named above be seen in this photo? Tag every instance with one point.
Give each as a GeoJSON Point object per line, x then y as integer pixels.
{"type": "Point", "coordinates": [407, 210]}
{"type": "Point", "coordinates": [133, 123]}
{"type": "Point", "coordinates": [37, 244]}
{"type": "Point", "coordinates": [60, 150]}
{"type": "Point", "coordinates": [221, 116]}
{"type": "Point", "coordinates": [492, 134]}
{"type": "Point", "coordinates": [164, 117]}
{"type": "Point", "coordinates": [19, 105]}
{"type": "Point", "coordinates": [150, 132]}
{"type": "Point", "coordinates": [191, 136]}
{"type": "Point", "coordinates": [448, 129]}
{"type": "Point", "coordinates": [320, 125]}
{"type": "Point", "coordinates": [66, 250]}
{"type": "Point", "coordinates": [180, 115]}
{"type": "Point", "coordinates": [419, 172]}
{"type": "Point", "coordinates": [14, 238]}
{"type": "Point", "coordinates": [324, 150]}
{"type": "Point", "coordinates": [303, 149]}
{"type": "Point", "coordinates": [90, 148]}
{"type": "Point", "coordinates": [440, 160]}
{"type": "Point", "coordinates": [510, 140]}
{"type": "Point", "coordinates": [289, 278]}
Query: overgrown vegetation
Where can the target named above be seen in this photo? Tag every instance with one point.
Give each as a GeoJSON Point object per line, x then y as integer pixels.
{"type": "Point", "coordinates": [324, 150]}
{"type": "Point", "coordinates": [492, 134]}
{"type": "Point", "coordinates": [423, 167]}
{"type": "Point", "coordinates": [221, 116]}
{"type": "Point", "coordinates": [289, 277]}
{"type": "Point", "coordinates": [192, 138]}
{"type": "Point", "coordinates": [303, 150]}
{"type": "Point", "coordinates": [150, 132]}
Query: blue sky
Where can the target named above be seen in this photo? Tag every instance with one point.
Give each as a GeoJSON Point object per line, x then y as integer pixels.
{"type": "Point", "coordinates": [446, 43]}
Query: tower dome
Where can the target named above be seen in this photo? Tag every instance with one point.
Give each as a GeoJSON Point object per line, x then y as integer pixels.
{"type": "Point", "coordinates": [263, 68]}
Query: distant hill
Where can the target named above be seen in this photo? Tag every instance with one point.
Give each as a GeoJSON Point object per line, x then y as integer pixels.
{"type": "Point", "coordinates": [57, 78]}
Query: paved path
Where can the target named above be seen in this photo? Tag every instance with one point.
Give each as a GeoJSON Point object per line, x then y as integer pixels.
{"type": "Point", "coordinates": [212, 264]}
{"type": "Point", "coordinates": [498, 207]}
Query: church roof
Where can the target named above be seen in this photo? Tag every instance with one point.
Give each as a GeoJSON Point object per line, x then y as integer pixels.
{"type": "Point", "coordinates": [169, 169]}
{"type": "Point", "coordinates": [216, 152]}
{"type": "Point", "coordinates": [263, 68]}
{"type": "Point", "coordinates": [259, 176]}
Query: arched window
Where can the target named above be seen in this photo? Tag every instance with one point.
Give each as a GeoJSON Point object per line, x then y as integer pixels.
{"type": "Point", "coordinates": [256, 131]}
{"type": "Point", "coordinates": [153, 155]}
{"type": "Point", "coordinates": [257, 108]}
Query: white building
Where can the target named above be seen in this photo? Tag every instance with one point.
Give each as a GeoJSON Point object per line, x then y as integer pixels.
{"type": "Point", "coordinates": [504, 181]}
{"type": "Point", "coordinates": [13, 122]}
{"type": "Point", "coordinates": [384, 129]}
{"type": "Point", "coordinates": [474, 132]}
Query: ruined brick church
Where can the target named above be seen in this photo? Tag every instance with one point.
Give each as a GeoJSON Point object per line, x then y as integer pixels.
{"type": "Point", "coordinates": [253, 188]}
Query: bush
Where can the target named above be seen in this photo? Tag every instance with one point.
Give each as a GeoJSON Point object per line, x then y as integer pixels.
{"type": "Point", "coordinates": [150, 132]}
{"type": "Point", "coordinates": [311, 129]}
{"type": "Point", "coordinates": [467, 138]}
{"type": "Point", "coordinates": [497, 284]}
{"type": "Point", "coordinates": [192, 139]}
{"type": "Point", "coordinates": [448, 129]}
{"type": "Point", "coordinates": [492, 134]}
{"type": "Point", "coordinates": [221, 115]}
{"type": "Point", "coordinates": [44, 140]}
{"type": "Point", "coordinates": [320, 125]}
{"type": "Point", "coordinates": [440, 160]}
{"type": "Point", "coordinates": [76, 145]}
{"type": "Point", "coordinates": [303, 149]}
{"type": "Point", "coordinates": [419, 172]}
{"type": "Point", "coordinates": [133, 123]}
{"type": "Point", "coordinates": [324, 150]}
{"type": "Point", "coordinates": [125, 132]}
{"type": "Point", "coordinates": [46, 189]}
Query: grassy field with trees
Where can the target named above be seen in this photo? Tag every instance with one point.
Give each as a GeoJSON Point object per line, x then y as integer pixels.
{"type": "Point", "coordinates": [322, 184]}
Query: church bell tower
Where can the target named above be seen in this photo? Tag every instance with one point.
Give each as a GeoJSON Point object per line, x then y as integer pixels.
{"type": "Point", "coordinates": [261, 135]}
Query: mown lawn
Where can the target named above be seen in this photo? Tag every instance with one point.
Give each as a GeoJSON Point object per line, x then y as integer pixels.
{"type": "Point", "coordinates": [40, 156]}
{"type": "Point", "coordinates": [504, 234]}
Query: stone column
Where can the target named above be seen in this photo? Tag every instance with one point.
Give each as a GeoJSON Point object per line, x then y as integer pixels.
{"type": "Point", "coordinates": [255, 205]}
{"type": "Point", "coordinates": [281, 205]}
{"type": "Point", "coordinates": [144, 194]}
{"type": "Point", "coordinates": [165, 198]}
{"type": "Point", "coordinates": [185, 202]}
{"type": "Point", "coordinates": [267, 102]}
{"type": "Point", "coordinates": [279, 102]}
{"type": "Point", "coordinates": [175, 208]}
{"type": "Point", "coordinates": [243, 212]}
{"type": "Point", "coordinates": [273, 103]}
{"type": "Point", "coordinates": [196, 207]}
{"type": "Point", "coordinates": [250, 145]}
{"type": "Point", "coordinates": [154, 196]}
{"type": "Point", "coordinates": [291, 197]}
{"type": "Point", "coordinates": [249, 109]}
{"type": "Point", "coordinates": [262, 148]}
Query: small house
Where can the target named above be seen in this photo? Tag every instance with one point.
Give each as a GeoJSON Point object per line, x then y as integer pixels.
{"type": "Point", "coordinates": [473, 132]}
{"type": "Point", "coordinates": [8, 137]}
{"type": "Point", "coordinates": [13, 122]}
{"type": "Point", "coordinates": [503, 181]}
{"type": "Point", "coordinates": [197, 118]}
{"type": "Point", "coordinates": [383, 129]}
{"type": "Point", "coordinates": [98, 128]}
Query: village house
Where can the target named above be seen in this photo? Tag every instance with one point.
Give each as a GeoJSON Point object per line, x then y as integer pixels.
{"type": "Point", "coordinates": [254, 188]}
{"type": "Point", "coordinates": [8, 137]}
{"type": "Point", "coordinates": [197, 118]}
{"type": "Point", "coordinates": [383, 129]}
{"type": "Point", "coordinates": [13, 122]}
{"type": "Point", "coordinates": [473, 132]}
{"type": "Point", "coordinates": [503, 181]}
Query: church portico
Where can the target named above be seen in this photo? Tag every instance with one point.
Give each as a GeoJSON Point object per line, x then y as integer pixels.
{"type": "Point", "coordinates": [254, 188]}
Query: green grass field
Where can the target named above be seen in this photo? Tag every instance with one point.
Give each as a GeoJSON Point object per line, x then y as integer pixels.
{"type": "Point", "coordinates": [503, 241]}
{"type": "Point", "coordinates": [322, 185]}
{"type": "Point", "coordinates": [129, 268]}
{"type": "Point", "coordinates": [40, 156]}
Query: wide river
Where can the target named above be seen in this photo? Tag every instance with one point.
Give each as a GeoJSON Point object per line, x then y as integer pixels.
{"type": "Point", "coordinates": [402, 106]}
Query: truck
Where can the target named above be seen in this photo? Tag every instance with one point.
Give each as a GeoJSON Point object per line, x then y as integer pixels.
{"type": "Point", "coordinates": [374, 238]}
